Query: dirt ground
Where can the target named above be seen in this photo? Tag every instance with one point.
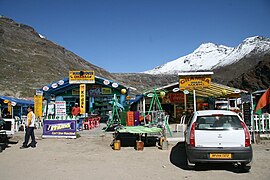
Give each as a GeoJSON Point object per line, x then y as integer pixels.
{"type": "Point", "coordinates": [91, 157]}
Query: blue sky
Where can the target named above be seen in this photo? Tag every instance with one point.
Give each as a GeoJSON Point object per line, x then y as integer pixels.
{"type": "Point", "coordinates": [138, 35]}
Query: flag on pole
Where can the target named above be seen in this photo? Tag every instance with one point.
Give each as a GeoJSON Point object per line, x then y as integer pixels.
{"type": "Point", "coordinates": [264, 100]}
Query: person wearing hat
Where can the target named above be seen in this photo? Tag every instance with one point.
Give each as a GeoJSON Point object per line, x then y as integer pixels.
{"type": "Point", "coordinates": [75, 110]}
{"type": "Point", "coordinates": [30, 126]}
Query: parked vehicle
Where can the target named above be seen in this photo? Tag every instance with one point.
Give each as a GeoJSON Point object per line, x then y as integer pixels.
{"type": "Point", "coordinates": [218, 136]}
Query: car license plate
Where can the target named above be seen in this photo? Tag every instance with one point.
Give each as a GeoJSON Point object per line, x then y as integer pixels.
{"type": "Point", "coordinates": [220, 156]}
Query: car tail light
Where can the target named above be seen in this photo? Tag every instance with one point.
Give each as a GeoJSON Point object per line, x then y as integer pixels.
{"type": "Point", "coordinates": [247, 135]}
{"type": "Point", "coordinates": [192, 135]}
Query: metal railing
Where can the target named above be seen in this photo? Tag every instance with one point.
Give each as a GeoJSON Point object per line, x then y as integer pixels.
{"type": "Point", "coordinates": [261, 123]}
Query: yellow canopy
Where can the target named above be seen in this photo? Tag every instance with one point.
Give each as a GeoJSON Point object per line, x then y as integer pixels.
{"type": "Point", "coordinates": [218, 90]}
{"type": "Point", "coordinates": [214, 90]}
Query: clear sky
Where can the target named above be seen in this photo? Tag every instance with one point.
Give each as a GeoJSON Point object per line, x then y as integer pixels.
{"type": "Point", "coordinates": [138, 35]}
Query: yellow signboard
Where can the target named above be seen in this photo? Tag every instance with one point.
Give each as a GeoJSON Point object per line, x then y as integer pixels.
{"type": "Point", "coordinates": [191, 82]}
{"type": "Point", "coordinates": [9, 108]}
{"type": "Point", "coordinates": [38, 105]}
{"type": "Point", "coordinates": [82, 98]}
{"type": "Point", "coordinates": [82, 77]}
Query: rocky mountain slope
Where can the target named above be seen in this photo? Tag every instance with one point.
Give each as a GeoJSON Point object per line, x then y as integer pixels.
{"type": "Point", "coordinates": [29, 61]}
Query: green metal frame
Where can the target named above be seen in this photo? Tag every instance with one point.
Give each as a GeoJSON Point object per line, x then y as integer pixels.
{"type": "Point", "coordinates": [155, 99]}
{"type": "Point", "coordinates": [114, 112]}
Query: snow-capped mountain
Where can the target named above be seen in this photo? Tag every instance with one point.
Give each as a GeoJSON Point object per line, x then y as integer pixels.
{"type": "Point", "coordinates": [209, 56]}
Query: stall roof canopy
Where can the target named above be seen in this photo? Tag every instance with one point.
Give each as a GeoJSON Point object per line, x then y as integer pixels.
{"type": "Point", "coordinates": [20, 102]}
{"type": "Point", "coordinates": [214, 90]}
{"type": "Point", "coordinates": [63, 85]}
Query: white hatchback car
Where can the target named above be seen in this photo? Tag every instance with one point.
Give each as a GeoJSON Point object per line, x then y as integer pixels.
{"type": "Point", "coordinates": [218, 136]}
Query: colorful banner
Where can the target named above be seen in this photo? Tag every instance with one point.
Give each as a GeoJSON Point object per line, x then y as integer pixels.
{"type": "Point", "coordinates": [82, 98]}
{"type": "Point", "coordinates": [194, 81]}
{"type": "Point", "coordinates": [38, 106]}
{"type": "Point", "coordinates": [60, 108]}
{"type": "Point", "coordinates": [59, 128]}
{"type": "Point", "coordinates": [79, 77]}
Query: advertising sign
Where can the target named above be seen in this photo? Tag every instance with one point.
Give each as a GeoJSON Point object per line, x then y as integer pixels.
{"type": "Point", "coordinates": [247, 113]}
{"type": "Point", "coordinates": [95, 90]}
{"type": "Point", "coordinates": [80, 77]}
{"type": "Point", "coordinates": [60, 108]}
{"type": "Point", "coordinates": [38, 105]}
{"type": "Point", "coordinates": [106, 91]}
{"type": "Point", "coordinates": [82, 98]}
{"type": "Point", "coordinates": [59, 128]}
{"type": "Point", "coordinates": [190, 82]}
{"type": "Point", "coordinates": [176, 98]}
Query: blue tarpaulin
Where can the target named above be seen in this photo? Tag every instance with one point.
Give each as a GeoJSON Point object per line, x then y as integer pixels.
{"type": "Point", "coordinates": [20, 102]}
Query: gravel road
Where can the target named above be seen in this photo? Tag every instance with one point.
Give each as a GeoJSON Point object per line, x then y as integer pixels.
{"type": "Point", "coordinates": [91, 157]}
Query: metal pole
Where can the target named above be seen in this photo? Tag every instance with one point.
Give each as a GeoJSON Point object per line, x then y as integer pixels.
{"type": "Point", "coordinates": [252, 118]}
{"type": "Point", "coordinates": [185, 101]}
{"type": "Point", "coordinates": [144, 110]}
{"type": "Point", "coordinates": [194, 100]}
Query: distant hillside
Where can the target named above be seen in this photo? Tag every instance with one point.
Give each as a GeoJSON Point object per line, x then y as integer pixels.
{"type": "Point", "coordinates": [29, 61]}
{"type": "Point", "coordinates": [143, 82]}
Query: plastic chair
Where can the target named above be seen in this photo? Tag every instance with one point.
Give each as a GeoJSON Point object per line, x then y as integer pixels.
{"type": "Point", "coordinates": [181, 126]}
{"type": "Point", "coordinates": [88, 124]}
{"type": "Point", "coordinates": [97, 121]}
{"type": "Point", "coordinates": [24, 121]}
{"type": "Point", "coordinates": [17, 123]}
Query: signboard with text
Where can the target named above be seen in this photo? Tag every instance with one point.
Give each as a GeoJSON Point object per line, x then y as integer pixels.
{"type": "Point", "coordinates": [59, 128]}
{"type": "Point", "coordinates": [176, 98]}
{"type": "Point", "coordinates": [247, 113]}
{"type": "Point", "coordinates": [80, 77]}
{"type": "Point", "coordinates": [194, 81]}
{"type": "Point", "coordinates": [60, 108]}
{"type": "Point", "coordinates": [82, 98]}
{"type": "Point", "coordinates": [106, 91]}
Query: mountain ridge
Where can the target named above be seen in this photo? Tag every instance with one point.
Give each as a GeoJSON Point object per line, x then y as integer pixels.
{"type": "Point", "coordinates": [29, 61]}
{"type": "Point", "coordinates": [209, 56]}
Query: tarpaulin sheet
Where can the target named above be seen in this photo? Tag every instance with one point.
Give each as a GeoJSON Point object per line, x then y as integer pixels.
{"type": "Point", "coordinates": [140, 129]}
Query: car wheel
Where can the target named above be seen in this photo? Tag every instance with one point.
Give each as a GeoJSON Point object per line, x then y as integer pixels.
{"type": "Point", "coordinates": [198, 166]}
{"type": "Point", "coordinates": [244, 167]}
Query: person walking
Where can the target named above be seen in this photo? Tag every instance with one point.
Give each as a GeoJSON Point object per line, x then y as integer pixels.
{"type": "Point", "coordinates": [30, 126]}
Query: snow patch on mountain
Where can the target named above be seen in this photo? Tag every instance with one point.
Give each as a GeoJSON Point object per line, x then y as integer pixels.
{"type": "Point", "coordinates": [209, 56]}
{"type": "Point", "coordinates": [41, 36]}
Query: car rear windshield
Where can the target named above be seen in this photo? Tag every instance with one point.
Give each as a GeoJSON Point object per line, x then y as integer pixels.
{"type": "Point", "coordinates": [215, 122]}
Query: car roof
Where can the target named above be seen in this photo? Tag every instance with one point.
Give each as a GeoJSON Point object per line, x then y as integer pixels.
{"type": "Point", "coordinates": [210, 112]}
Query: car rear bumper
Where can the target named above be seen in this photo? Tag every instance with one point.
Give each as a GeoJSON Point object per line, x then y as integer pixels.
{"type": "Point", "coordinates": [238, 154]}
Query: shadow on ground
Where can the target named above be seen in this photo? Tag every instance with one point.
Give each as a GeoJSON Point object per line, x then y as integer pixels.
{"type": "Point", "coordinates": [178, 158]}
